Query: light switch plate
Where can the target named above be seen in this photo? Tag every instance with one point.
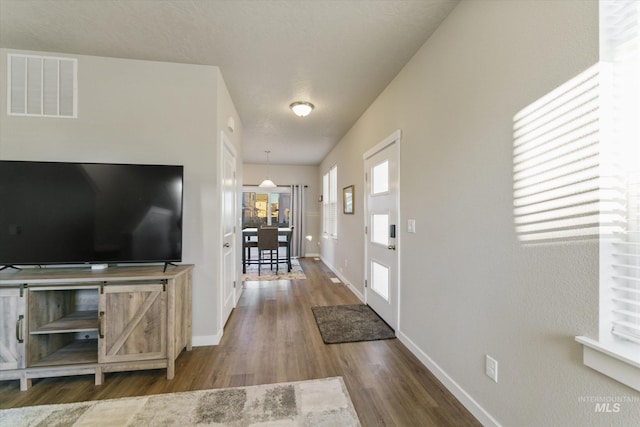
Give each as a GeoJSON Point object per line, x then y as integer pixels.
{"type": "Point", "coordinates": [491, 368]}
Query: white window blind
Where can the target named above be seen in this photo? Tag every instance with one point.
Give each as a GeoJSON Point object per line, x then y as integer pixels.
{"type": "Point", "coordinates": [625, 286]}
{"type": "Point", "coordinates": [42, 86]}
{"type": "Point", "coordinates": [333, 199]}
{"type": "Point", "coordinates": [325, 203]}
{"type": "Point", "coordinates": [619, 53]}
{"type": "Point", "coordinates": [330, 202]}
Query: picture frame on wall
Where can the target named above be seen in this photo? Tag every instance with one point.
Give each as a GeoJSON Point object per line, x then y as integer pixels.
{"type": "Point", "coordinates": [347, 200]}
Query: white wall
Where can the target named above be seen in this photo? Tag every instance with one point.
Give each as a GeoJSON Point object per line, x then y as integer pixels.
{"type": "Point", "coordinates": [469, 286]}
{"type": "Point", "coordinates": [144, 112]}
{"type": "Point", "coordinates": [254, 174]}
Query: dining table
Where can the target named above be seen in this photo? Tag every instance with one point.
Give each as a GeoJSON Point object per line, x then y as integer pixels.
{"type": "Point", "coordinates": [247, 236]}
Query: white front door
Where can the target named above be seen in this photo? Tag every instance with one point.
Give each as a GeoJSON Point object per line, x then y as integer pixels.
{"type": "Point", "coordinates": [381, 218]}
{"type": "Point", "coordinates": [229, 191]}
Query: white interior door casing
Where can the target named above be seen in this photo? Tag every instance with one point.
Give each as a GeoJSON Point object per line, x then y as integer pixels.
{"type": "Point", "coordinates": [382, 179]}
{"type": "Point", "coordinates": [228, 232]}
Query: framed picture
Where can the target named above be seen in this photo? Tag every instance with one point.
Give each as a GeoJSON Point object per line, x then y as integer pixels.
{"type": "Point", "coordinates": [347, 199]}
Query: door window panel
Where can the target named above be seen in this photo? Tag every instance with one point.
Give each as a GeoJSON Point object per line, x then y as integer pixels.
{"type": "Point", "coordinates": [380, 229]}
{"type": "Point", "coordinates": [380, 178]}
{"type": "Point", "coordinates": [380, 279]}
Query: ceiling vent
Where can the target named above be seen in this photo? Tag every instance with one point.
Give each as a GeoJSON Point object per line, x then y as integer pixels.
{"type": "Point", "coordinates": [42, 86]}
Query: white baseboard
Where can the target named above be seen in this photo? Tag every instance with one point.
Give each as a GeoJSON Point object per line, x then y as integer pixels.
{"type": "Point", "coordinates": [206, 340]}
{"type": "Point", "coordinates": [312, 255]}
{"type": "Point", "coordinates": [344, 280]}
{"type": "Point", "coordinates": [467, 401]}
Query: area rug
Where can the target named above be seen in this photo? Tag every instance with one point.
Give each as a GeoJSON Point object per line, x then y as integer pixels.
{"type": "Point", "coordinates": [350, 323]}
{"type": "Point", "coordinates": [296, 272]}
{"type": "Point", "coordinates": [322, 402]}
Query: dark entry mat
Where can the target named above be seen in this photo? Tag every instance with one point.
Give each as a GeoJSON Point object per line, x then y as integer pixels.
{"type": "Point", "coordinates": [350, 323]}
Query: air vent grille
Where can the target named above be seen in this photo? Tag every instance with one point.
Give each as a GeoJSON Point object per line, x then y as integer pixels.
{"type": "Point", "coordinates": [42, 86]}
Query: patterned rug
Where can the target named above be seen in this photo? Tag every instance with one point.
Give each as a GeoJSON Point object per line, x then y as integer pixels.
{"type": "Point", "coordinates": [322, 402]}
{"type": "Point", "coordinates": [266, 273]}
{"type": "Point", "coordinates": [350, 323]}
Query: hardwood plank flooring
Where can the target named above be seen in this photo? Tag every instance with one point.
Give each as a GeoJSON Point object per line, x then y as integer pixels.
{"type": "Point", "coordinates": [272, 337]}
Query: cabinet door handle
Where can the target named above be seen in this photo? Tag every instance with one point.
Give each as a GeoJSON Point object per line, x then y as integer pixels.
{"type": "Point", "coordinates": [100, 332]}
{"type": "Point", "coordinates": [19, 335]}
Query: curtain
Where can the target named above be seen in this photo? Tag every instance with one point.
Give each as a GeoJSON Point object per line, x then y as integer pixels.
{"type": "Point", "coordinates": [298, 200]}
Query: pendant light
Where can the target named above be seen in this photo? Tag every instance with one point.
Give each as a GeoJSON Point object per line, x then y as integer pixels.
{"type": "Point", "coordinates": [267, 183]}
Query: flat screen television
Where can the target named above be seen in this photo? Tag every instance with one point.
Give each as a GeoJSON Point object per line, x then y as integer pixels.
{"type": "Point", "coordinates": [89, 213]}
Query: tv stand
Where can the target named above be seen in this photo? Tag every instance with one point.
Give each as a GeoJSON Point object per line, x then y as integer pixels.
{"type": "Point", "coordinates": [73, 321]}
{"type": "Point", "coordinates": [164, 270]}
{"type": "Point", "coordinates": [10, 266]}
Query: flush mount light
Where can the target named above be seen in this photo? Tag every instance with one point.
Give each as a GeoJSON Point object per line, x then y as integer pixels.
{"type": "Point", "coordinates": [301, 109]}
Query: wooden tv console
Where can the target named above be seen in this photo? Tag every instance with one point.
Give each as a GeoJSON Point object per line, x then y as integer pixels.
{"type": "Point", "coordinates": [58, 322]}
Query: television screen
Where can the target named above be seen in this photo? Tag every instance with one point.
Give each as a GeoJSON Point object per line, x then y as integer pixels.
{"type": "Point", "coordinates": [75, 213]}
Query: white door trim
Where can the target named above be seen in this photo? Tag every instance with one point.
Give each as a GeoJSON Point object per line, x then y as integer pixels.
{"type": "Point", "coordinates": [394, 138]}
{"type": "Point", "coordinates": [225, 144]}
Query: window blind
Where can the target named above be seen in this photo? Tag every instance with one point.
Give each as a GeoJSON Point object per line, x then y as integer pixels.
{"type": "Point", "coordinates": [330, 202]}
{"type": "Point", "coordinates": [625, 286]}
{"type": "Point", "coordinates": [325, 203]}
{"type": "Point", "coordinates": [333, 200]}
{"type": "Point", "coordinates": [620, 46]}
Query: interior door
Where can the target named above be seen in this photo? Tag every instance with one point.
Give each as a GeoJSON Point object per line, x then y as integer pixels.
{"type": "Point", "coordinates": [382, 237]}
{"type": "Point", "coordinates": [228, 295]}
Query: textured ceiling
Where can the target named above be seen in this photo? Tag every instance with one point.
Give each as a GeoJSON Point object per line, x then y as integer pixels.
{"type": "Point", "coordinates": [336, 54]}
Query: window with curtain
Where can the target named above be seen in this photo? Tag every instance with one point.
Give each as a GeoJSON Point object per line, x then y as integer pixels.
{"type": "Point", "coordinates": [266, 207]}
{"type": "Point", "coordinates": [330, 202]}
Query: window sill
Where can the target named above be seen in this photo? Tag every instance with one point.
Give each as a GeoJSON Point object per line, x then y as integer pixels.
{"type": "Point", "coordinates": [618, 360]}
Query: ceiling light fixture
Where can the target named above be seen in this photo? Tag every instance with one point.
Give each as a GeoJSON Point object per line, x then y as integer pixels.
{"type": "Point", "coordinates": [267, 183]}
{"type": "Point", "coordinates": [301, 109]}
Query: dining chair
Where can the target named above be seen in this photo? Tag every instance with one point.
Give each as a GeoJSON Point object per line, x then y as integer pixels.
{"type": "Point", "coordinates": [268, 241]}
{"type": "Point", "coordinates": [284, 242]}
{"type": "Point", "coordinates": [248, 243]}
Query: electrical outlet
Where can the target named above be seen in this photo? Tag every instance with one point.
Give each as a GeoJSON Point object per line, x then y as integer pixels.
{"type": "Point", "coordinates": [491, 368]}
{"type": "Point", "coordinates": [346, 263]}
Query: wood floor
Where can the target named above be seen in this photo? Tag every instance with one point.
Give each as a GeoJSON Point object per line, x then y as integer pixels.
{"type": "Point", "coordinates": [272, 337]}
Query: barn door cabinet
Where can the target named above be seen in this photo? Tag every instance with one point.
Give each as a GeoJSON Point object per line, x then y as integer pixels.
{"type": "Point", "coordinates": [60, 322]}
{"type": "Point", "coordinates": [12, 331]}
